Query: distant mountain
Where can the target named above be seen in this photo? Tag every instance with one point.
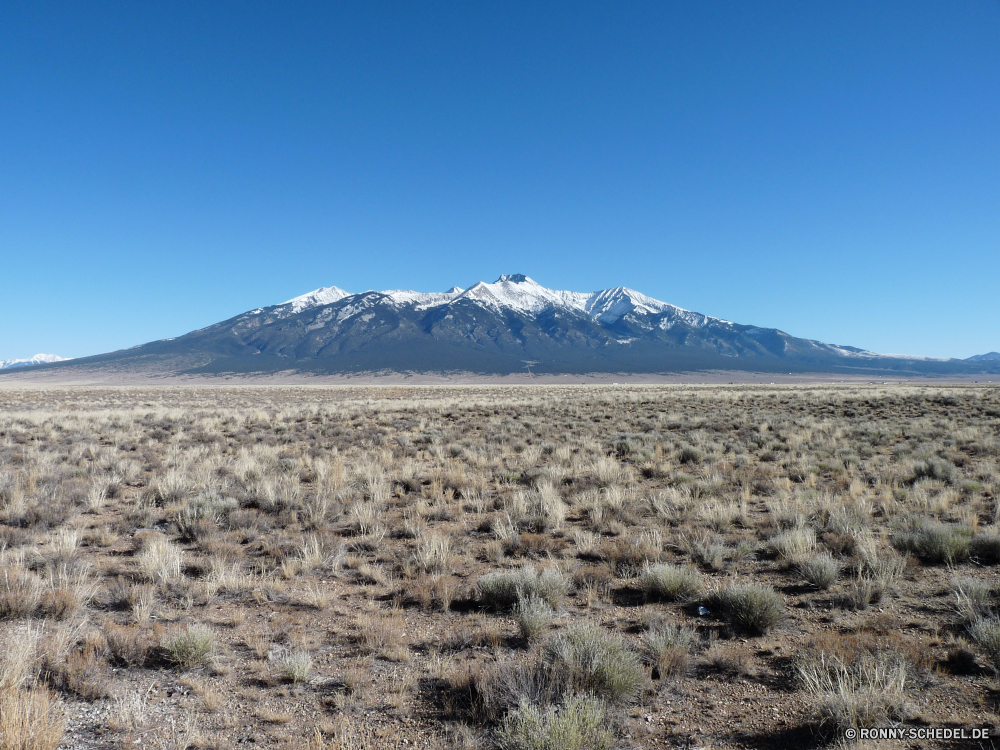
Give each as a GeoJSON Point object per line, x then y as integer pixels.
{"type": "Point", "coordinates": [511, 325]}
{"type": "Point", "coordinates": [988, 357]}
{"type": "Point", "coordinates": [38, 359]}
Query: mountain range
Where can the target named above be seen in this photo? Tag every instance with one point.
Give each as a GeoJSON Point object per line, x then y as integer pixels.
{"type": "Point", "coordinates": [512, 325]}
{"type": "Point", "coordinates": [38, 359]}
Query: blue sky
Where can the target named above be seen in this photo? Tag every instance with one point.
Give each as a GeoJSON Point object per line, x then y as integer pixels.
{"type": "Point", "coordinates": [830, 169]}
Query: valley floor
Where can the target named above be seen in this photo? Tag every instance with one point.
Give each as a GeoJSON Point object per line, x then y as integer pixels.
{"type": "Point", "coordinates": [633, 566]}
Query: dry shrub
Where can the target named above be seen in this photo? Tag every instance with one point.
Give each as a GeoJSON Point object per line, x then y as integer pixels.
{"type": "Point", "coordinates": [295, 666]}
{"type": "Point", "coordinates": [432, 553]}
{"type": "Point", "coordinates": [159, 560]}
{"type": "Point", "coordinates": [431, 592]}
{"type": "Point", "coordinates": [734, 661]}
{"type": "Point", "coordinates": [972, 597]}
{"type": "Point", "coordinates": [129, 711]}
{"type": "Point", "coordinates": [936, 543]}
{"type": "Point", "coordinates": [30, 720]}
{"type": "Point", "coordinates": [67, 591]}
{"type": "Point", "coordinates": [594, 580]}
{"type": "Point", "coordinates": [258, 643]}
{"type": "Point", "coordinates": [347, 733]}
{"type": "Point", "coordinates": [476, 634]}
{"type": "Point", "coordinates": [18, 662]}
{"type": "Point", "coordinates": [128, 645]}
{"type": "Point", "coordinates": [82, 672]}
{"type": "Point", "coordinates": [141, 599]}
{"type": "Point", "coordinates": [985, 547]}
{"type": "Point", "coordinates": [535, 545]}
{"type": "Point", "coordinates": [864, 692]}
{"type": "Point", "coordinates": [794, 544]}
{"type": "Point", "coordinates": [488, 695]}
{"type": "Point", "coordinates": [881, 635]}
{"type": "Point", "coordinates": [382, 635]}
{"type": "Point", "coordinates": [20, 594]}
{"type": "Point", "coordinates": [628, 554]}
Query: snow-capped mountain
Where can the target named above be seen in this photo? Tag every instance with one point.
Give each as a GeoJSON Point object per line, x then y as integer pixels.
{"type": "Point", "coordinates": [500, 327]}
{"type": "Point", "coordinates": [514, 292]}
{"type": "Point", "coordinates": [522, 294]}
{"type": "Point", "coordinates": [38, 359]}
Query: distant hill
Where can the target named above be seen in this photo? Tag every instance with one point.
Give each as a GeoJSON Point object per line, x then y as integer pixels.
{"type": "Point", "coordinates": [988, 357]}
{"type": "Point", "coordinates": [512, 325]}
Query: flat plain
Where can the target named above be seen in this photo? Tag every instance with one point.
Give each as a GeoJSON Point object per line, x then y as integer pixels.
{"type": "Point", "coordinates": [517, 567]}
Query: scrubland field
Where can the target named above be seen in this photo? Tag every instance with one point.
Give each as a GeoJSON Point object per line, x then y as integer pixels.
{"type": "Point", "coordinates": [525, 568]}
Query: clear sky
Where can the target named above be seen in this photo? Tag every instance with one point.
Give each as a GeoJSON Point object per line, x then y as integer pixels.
{"type": "Point", "coordinates": [831, 169]}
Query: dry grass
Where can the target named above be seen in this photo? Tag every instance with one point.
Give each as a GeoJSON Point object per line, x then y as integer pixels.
{"type": "Point", "coordinates": [30, 720]}
{"type": "Point", "coordinates": [496, 567]}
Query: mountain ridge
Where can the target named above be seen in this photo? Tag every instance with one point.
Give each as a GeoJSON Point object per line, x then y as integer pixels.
{"type": "Point", "coordinates": [38, 359]}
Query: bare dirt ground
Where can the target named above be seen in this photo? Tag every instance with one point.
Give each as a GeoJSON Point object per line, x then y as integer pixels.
{"type": "Point", "coordinates": [83, 376]}
{"type": "Point", "coordinates": [633, 566]}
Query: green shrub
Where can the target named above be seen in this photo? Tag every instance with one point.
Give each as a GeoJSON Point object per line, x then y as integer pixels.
{"type": "Point", "coordinates": [986, 634]}
{"type": "Point", "coordinates": [502, 688]}
{"type": "Point", "coordinates": [502, 590]}
{"type": "Point", "coordinates": [579, 724]}
{"type": "Point", "coordinates": [985, 547]}
{"type": "Point", "coordinates": [690, 455]}
{"type": "Point", "coordinates": [534, 616]}
{"type": "Point", "coordinates": [972, 597]}
{"type": "Point", "coordinates": [793, 544]}
{"type": "Point", "coordinates": [668, 647]}
{"type": "Point", "coordinates": [821, 571]}
{"type": "Point", "coordinates": [598, 662]}
{"type": "Point", "coordinates": [936, 543]}
{"type": "Point", "coordinates": [865, 589]}
{"type": "Point", "coordinates": [707, 551]}
{"type": "Point", "coordinates": [939, 469]}
{"type": "Point", "coordinates": [754, 607]}
{"type": "Point", "coordinates": [296, 666]}
{"type": "Point", "coordinates": [669, 582]}
{"type": "Point", "coordinates": [191, 647]}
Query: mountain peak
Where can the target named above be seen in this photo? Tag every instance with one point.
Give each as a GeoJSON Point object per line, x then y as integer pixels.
{"type": "Point", "coordinates": [513, 278]}
{"type": "Point", "coordinates": [325, 295]}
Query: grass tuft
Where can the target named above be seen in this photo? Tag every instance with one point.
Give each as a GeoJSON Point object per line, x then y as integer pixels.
{"type": "Point", "coordinates": [753, 607]}
{"type": "Point", "coordinates": [190, 648]}
{"type": "Point", "coordinates": [670, 582]}
{"type": "Point", "coordinates": [579, 724]}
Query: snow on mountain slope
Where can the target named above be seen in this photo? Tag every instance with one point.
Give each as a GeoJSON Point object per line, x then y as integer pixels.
{"type": "Point", "coordinates": [523, 294]}
{"type": "Point", "coordinates": [422, 300]}
{"type": "Point", "coordinates": [38, 359]}
{"type": "Point", "coordinates": [326, 295]}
